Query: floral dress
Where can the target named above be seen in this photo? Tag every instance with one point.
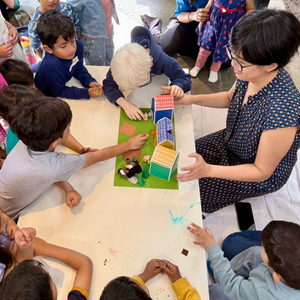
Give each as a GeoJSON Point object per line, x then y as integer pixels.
{"type": "Point", "coordinates": [215, 32]}
{"type": "Point", "coordinates": [277, 105]}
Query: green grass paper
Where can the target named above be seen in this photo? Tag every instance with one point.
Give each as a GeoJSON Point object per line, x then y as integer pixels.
{"type": "Point", "coordinates": [148, 149]}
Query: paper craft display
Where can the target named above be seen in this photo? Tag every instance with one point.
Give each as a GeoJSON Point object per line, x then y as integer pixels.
{"type": "Point", "coordinates": [164, 133]}
{"type": "Point", "coordinates": [162, 106]}
{"type": "Point", "coordinates": [164, 162]}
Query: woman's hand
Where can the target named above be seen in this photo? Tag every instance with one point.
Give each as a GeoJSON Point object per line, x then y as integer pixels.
{"type": "Point", "coordinates": [6, 51]}
{"type": "Point", "coordinates": [14, 37]}
{"type": "Point", "coordinates": [198, 170]}
{"type": "Point", "coordinates": [201, 15]}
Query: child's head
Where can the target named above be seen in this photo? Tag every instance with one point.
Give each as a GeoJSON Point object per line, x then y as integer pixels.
{"type": "Point", "coordinates": [131, 66]}
{"type": "Point", "coordinates": [13, 96]}
{"type": "Point", "coordinates": [28, 281]}
{"type": "Point", "coordinates": [43, 123]}
{"type": "Point", "coordinates": [266, 37]}
{"type": "Point", "coordinates": [124, 288]}
{"type": "Point", "coordinates": [57, 34]}
{"type": "Point", "coordinates": [280, 241]}
{"type": "Point", "coordinates": [46, 5]}
{"type": "Point", "coordinates": [16, 72]}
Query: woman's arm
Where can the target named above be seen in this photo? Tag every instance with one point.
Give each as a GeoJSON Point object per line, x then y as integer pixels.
{"type": "Point", "coordinates": [9, 3]}
{"type": "Point", "coordinates": [273, 146]}
{"type": "Point", "coordinates": [200, 15]}
{"type": "Point", "coordinates": [217, 100]}
{"type": "Point", "coordinates": [249, 6]}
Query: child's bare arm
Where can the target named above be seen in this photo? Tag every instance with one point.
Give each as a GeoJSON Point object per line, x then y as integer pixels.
{"type": "Point", "coordinates": [249, 6]}
{"type": "Point", "coordinates": [39, 52]}
{"type": "Point", "coordinates": [73, 144]}
{"type": "Point", "coordinates": [77, 261]}
{"type": "Point", "coordinates": [135, 142]}
{"type": "Point", "coordinates": [72, 196]}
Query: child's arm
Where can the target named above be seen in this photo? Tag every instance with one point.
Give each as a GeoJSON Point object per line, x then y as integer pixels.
{"type": "Point", "coordinates": [249, 6]}
{"type": "Point", "coordinates": [133, 143]}
{"type": "Point", "coordinates": [208, 6]}
{"type": "Point", "coordinates": [72, 197]}
{"type": "Point", "coordinates": [233, 286]}
{"type": "Point", "coordinates": [13, 33]}
{"type": "Point", "coordinates": [74, 145]}
{"type": "Point", "coordinates": [181, 286]}
{"type": "Point", "coordinates": [77, 261]}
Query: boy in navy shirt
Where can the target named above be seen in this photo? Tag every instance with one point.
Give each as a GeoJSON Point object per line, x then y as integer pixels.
{"type": "Point", "coordinates": [63, 60]}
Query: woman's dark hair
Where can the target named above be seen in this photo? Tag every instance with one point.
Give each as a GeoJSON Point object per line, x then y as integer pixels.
{"type": "Point", "coordinates": [41, 122]}
{"type": "Point", "coordinates": [27, 281]}
{"type": "Point", "coordinates": [266, 36]}
{"type": "Point", "coordinates": [13, 96]}
{"type": "Point", "coordinates": [16, 72]}
{"type": "Point", "coordinates": [281, 241]}
{"type": "Point", "coordinates": [124, 288]}
{"type": "Point", "coordinates": [51, 25]}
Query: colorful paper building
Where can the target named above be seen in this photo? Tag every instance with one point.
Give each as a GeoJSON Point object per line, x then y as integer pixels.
{"type": "Point", "coordinates": [162, 106]}
{"type": "Point", "coordinates": [164, 133]}
{"type": "Point", "coordinates": [164, 162]}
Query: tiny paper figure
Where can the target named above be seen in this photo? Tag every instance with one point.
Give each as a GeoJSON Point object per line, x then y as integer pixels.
{"type": "Point", "coordinates": [132, 168]}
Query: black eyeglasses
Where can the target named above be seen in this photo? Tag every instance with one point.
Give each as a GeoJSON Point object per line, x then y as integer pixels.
{"type": "Point", "coordinates": [148, 82]}
{"type": "Point", "coordinates": [237, 65]}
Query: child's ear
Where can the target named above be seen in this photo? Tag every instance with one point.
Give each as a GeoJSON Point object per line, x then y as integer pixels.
{"type": "Point", "coordinates": [47, 49]}
{"type": "Point", "coordinates": [277, 278]}
{"type": "Point", "coordinates": [55, 144]}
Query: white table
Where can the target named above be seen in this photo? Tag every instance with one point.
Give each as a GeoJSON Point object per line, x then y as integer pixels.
{"type": "Point", "coordinates": [125, 226]}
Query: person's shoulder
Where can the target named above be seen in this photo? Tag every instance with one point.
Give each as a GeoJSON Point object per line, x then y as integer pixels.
{"type": "Point", "coordinates": [79, 45]}
{"type": "Point", "coordinates": [35, 18]}
{"type": "Point", "coordinates": [65, 7]}
{"type": "Point", "coordinates": [77, 294]}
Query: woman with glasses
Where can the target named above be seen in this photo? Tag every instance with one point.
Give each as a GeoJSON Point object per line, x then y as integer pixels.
{"type": "Point", "coordinates": [256, 152]}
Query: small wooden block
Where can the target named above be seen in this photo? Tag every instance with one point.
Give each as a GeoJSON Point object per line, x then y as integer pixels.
{"type": "Point", "coordinates": [185, 252]}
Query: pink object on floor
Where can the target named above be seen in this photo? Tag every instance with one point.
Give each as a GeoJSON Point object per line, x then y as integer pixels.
{"type": "Point", "coordinates": [3, 84]}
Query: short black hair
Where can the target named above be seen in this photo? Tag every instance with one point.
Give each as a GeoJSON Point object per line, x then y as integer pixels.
{"type": "Point", "coordinates": [51, 25]}
{"type": "Point", "coordinates": [124, 288]}
{"type": "Point", "coordinates": [266, 36]}
{"type": "Point", "coordinates": [281, 241]}
{"type": "Point", "coordinates": [41, 122]}
{"type": "Point", "coordinates": [27, 281]}
{"type": "Point", "coordinates": [15, 71]}
{"type": "Point", "coordinates": [13, 96]}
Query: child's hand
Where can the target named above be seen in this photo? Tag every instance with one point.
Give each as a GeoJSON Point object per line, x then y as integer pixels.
{"type": "Point", "coordinates": [14, 37]}
{"type": "Point", "coordinates": [25, 236]}
{"type": "Point", "coordinates": [186, 99]}
{"type": "Point", "coordinates": [173, 90]}
{"type": "Point", "coordinates": [88, 150]}
{"type": "Point", "coordinates": [73, 198]}
{"type": "Point", "coordinates": [171, 270]}
{"type": "Point", "coordinates": [152, 268]}
{"type": "Point", "coordinates": [136, 142]}
{"type": "Point", "coordinates": [6, 51]}
{"type": "Point", "coordinates": [95, 92]}
{"type": "Point", "coordinates": [95, 85]}
{"type": "Point", "coordinates": [204, 238]}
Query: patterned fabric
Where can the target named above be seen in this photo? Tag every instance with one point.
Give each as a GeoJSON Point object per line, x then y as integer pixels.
{"type": "Point", "coordinates": [63, 8]}
{"type": "Point", "coordinates": [215, 32]}
{"type": "Point", "coordinates": [277, 105]}
{"type": "Point", "coordinates": [188, 6]}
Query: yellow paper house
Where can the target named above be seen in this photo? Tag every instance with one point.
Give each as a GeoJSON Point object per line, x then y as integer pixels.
{"type": "Point", "coordinates": [164, 162]}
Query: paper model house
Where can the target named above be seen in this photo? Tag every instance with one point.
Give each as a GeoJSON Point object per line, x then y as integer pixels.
{"type": "Point", "coordinates": [162, 106]}
{"type": "Point", "coordinates": [164, 162]}
{"type": "Point", "coordinates": [164, 133]}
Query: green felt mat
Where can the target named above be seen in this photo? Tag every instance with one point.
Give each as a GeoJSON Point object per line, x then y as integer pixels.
{"type": "Point", "coordinates": [148, 149]}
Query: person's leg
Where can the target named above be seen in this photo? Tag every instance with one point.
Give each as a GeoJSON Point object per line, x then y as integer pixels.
{"type": "Point", "coordinates": [215, 292]}
{"type": "Point", "coordinates": [213, 74]}
{"type": "Point", "coordinates": [110, 49]}
{"type": "Point", "coordinates": [94, 51]}
{"type": "Point", "coordinates": [238, 242]}
{"type": "Point", "coordinates": [200, 62]}
{"type": "Point", "coordinates": [243, 263]}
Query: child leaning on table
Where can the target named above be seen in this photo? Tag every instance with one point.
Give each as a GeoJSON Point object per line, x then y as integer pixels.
{"type": "Point", "coordinates": [26, 279]}
{"type": "Point", "coordinates": [63, 60]}
{"type": "Point", "coordinates": [127, 288]}
{"type": "Point", "coordinates": [97, 29]}
{"type": "Point", "coordinates": [33, 167]}
{"type": "Point", "coordinates": [20, 79]}
{"type": "Point", "coordinates": [277, 277]}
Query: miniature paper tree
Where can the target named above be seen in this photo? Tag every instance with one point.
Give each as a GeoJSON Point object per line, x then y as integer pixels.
{"type": "Point", "coordinates": [145, 172]}
{"type": "Point", "coordinates": [133, 159]}
{"type": "Point", "coordinates": [141, 180]}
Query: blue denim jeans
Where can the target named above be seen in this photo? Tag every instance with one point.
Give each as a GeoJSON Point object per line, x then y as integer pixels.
{"type": "Point", "coordinates": [241, 264]}
{"type": "Point", "coordinates": [238, 242]}
{"type": "Point", "coordinates": [98, 52]}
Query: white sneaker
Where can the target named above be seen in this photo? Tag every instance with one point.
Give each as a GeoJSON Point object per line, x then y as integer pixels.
{"type": "Point", "coordinates": [213, 76]}
{"type": "Point", "coordinates": [194, 72]}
